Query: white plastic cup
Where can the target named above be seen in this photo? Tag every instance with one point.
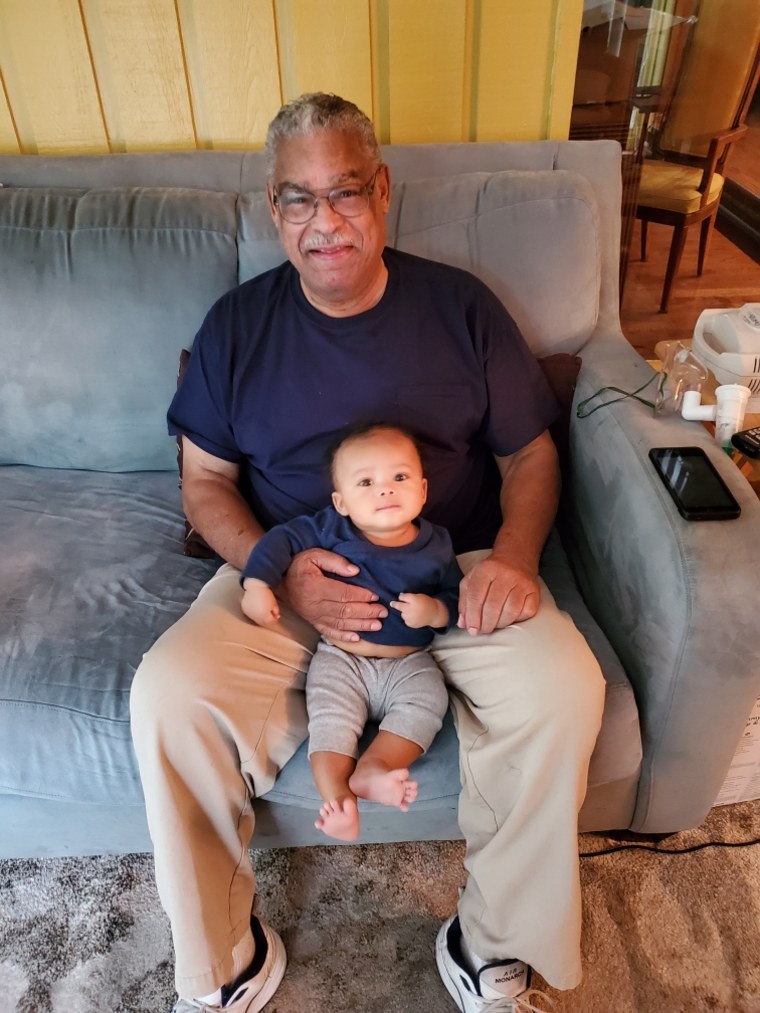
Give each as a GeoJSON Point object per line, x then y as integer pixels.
{"type": "Point", "coordinates": [732, 401]}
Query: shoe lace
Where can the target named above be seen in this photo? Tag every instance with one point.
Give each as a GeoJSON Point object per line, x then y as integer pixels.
{"type": "Point", "coordinates": [520, 1004]}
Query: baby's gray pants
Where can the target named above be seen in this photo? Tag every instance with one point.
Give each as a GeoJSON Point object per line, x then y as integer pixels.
{"type": "Point", "coordinates": [406, 695]}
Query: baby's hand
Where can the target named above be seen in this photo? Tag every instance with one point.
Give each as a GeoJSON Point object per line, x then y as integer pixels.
{"type": "Point", "coordinates": [418, 610]}
{"type": "Point", "coordinates": [259, 602]}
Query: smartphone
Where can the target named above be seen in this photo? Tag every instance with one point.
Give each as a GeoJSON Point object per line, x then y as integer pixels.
{"type": "Point", "coordinates": [694, 483]}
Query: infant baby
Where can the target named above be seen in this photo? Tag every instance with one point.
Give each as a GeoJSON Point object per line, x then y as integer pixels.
{"type": "Point", "coordinates": [388, 676]}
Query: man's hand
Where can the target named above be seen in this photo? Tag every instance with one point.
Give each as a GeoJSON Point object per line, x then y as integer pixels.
{"type": "Point", "coordinates": [338, 611]}
{"type": "Point", "coordinates": [503, 589]}
{"type": "Point", "coordinates": [495, 594]}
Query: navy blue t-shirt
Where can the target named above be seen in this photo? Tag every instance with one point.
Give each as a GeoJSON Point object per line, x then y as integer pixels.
{"type": "Point", "coordinates": [272, 381]}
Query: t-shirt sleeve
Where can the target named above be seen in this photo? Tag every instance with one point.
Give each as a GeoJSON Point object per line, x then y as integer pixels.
{"type": "Point", "coordinates": [273, 553]}
{"type": "Point", "coordinates": [521, 404]}
{"type": "Point", "coordinates": [201, 409]}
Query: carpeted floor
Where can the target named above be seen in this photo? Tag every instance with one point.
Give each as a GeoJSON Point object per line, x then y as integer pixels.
{"type": "Point", "coordinates": [662, 933]}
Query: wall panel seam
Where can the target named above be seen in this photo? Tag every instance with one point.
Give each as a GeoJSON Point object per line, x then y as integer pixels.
{"type": "Point", "coordinates": [10, 112]}
{"type": "Point", "coordinates": [186, 72]}
{"type": "Point", "coordinates": [96, 83]}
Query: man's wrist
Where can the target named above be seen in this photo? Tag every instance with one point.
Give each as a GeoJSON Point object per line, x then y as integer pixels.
{"type": "Point", "coordinates": [514, 558]}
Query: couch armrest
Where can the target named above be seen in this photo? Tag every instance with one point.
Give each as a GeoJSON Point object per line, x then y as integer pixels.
{"type": "Point", "coordinates": [677, 599]}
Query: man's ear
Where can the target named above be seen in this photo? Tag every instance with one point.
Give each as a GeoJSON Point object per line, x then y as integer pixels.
{"type": "Point", "coordinates": [424, 491]}
{"type": "Point", "coordinates": [272, 208]}
{"type": "Point", "coordinates": [338, 504]}
{"type": "Point", "coordinates": [383, 185]}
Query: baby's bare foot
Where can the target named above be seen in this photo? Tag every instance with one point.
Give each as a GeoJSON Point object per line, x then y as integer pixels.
{"type": "Point", "coordinates": [389, 787]}
{"type": "Point", "coordinates": [339, 818]}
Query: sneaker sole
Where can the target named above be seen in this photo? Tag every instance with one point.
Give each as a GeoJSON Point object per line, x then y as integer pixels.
{"type": "Point", "coordinates": [443, 971]}
{"type": "Point", "coordinates": [271, 983]}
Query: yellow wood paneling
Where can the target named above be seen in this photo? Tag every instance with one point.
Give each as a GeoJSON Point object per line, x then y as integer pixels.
{"type": "Point", "coordinates": [563, 61]}
{"type": "Point", "coordinates": [138, 58]}
{"type": "Point", "coordinates": [324, 45]}
{"type": "Point", "coordinates": [9, 144]}
{"type": "Point", "coordinates": [381, 111]}
{"type": "Point", "coordinates": [426, 70]}
{"type": "Point", "coordinates": [48, 77]}
{"type": "Point", "coordinates": [511, 72]}
{"type": "Point", "coordinates": [523, 91]}
{"type": "Point", "coordinates": [129, 75]}
{"type": "Point", "coordinates": [231, 60]}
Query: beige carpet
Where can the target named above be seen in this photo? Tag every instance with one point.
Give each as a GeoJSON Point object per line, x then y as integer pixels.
{"type": "Point", "coordinates": [663, 933]}
{"type": "Point", "coordinates": [673, 933]}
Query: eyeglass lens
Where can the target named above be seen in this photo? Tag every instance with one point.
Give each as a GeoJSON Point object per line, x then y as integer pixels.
{"type": "Point", "coordinates": [299, 206]}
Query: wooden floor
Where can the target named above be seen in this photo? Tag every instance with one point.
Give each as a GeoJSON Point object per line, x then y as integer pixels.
{"type": "Point", "coordinates": [730, 278]}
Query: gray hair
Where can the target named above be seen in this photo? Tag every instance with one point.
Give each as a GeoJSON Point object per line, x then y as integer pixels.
{"type": "Point", "coordinates": [316, 111]}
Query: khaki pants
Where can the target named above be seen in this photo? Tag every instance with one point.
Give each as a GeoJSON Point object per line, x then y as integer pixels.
{"type": "Point", "coordinates": [218, 697]}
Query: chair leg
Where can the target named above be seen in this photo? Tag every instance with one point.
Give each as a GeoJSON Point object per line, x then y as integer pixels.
{"type": "Point", "coordinates": [674, 260]}
{"type": "Point", "coordinates": [705, 234]}
{"type": "Point", "coordinates": [644, 224]}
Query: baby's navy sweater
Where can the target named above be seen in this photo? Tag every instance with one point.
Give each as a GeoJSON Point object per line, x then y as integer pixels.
{"type": "Point", "coordinates": [425, 566]}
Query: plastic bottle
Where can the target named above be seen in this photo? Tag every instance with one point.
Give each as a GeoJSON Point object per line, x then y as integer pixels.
{"type": "Point", "coordinates": [681, 371]}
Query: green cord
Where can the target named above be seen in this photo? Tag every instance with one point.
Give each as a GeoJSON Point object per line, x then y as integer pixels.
{"type": "Point", "coordinates": [581, 412]}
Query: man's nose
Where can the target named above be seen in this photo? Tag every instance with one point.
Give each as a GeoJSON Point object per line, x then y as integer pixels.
{"type": "Point", "coordinates": [326, 212]}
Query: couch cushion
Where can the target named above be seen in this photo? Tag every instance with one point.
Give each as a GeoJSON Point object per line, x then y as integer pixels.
{"type": "Point", "coordinates": [533, 237]}
{"type": "Point", "coordinates": [259, 246]}
{"type": "Point", "coordinates": [93, 573]}
{"type": "Point", "coordinates": [673, 187]}
{"type": "Point", "coordinates": [100, 290]}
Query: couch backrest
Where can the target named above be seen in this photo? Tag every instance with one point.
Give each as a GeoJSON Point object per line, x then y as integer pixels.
{"type": "Point", "coordinates": [102, 285]}
{"type": "Point", "coordinates": [245, 172]}
{"type": "Point", "coordinates": [100, 290]}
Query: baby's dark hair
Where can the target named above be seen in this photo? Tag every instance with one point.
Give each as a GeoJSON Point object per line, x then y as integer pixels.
{"type": "Point", "coordinates": [363, 429]}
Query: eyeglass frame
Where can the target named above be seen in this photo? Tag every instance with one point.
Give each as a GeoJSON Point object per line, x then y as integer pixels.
{"type": "Point", "coordinates": [366, 189]}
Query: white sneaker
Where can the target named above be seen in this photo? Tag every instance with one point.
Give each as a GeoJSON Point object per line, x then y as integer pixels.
{"type": "Point", "coordinates": [501, 986]}
{"type": "Point", "coordinates": [253, 989]}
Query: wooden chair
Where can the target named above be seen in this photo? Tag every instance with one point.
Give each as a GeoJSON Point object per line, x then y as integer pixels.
{"type": "Point", "coordinates": [682, 184]}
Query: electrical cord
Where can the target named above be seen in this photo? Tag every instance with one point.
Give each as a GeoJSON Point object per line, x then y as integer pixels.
{"type": "Point", "coordinates": [670, 851]}
{"type": "Point", "coordinates": [582, 410]}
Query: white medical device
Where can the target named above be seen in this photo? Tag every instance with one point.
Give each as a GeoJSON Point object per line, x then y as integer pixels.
{"type": "Point", "coordinates": [727, 342]}
{"type": "Point", "coordinates": [727, 413]}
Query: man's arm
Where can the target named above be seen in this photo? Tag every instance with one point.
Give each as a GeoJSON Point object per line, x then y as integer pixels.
{"type": "Point", "coordinates": [216, 508]}
{"type": "Point", "coordinates": [503, 589]}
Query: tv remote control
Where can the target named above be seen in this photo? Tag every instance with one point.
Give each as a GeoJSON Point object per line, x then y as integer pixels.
{"type": "Point", "coordinates": [748, 441]}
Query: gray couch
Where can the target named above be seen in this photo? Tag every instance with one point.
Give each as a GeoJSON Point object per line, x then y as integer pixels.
{"type": "Point", "coordinates": [107, 266]}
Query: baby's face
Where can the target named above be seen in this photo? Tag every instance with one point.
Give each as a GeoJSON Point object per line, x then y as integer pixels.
{"type": "Point", "coordinates": [379, 483]}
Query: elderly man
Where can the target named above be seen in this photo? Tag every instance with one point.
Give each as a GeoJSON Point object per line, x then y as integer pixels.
{"type": "Point", "coordinates": [345, 331]}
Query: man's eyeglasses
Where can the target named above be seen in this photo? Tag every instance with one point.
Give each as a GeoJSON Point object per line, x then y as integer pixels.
{"type": "Point", "coordinates": [299, 206]}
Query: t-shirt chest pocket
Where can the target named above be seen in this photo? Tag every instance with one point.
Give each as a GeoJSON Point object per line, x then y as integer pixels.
{"type": "Point", "coordinates": [439, 413]}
